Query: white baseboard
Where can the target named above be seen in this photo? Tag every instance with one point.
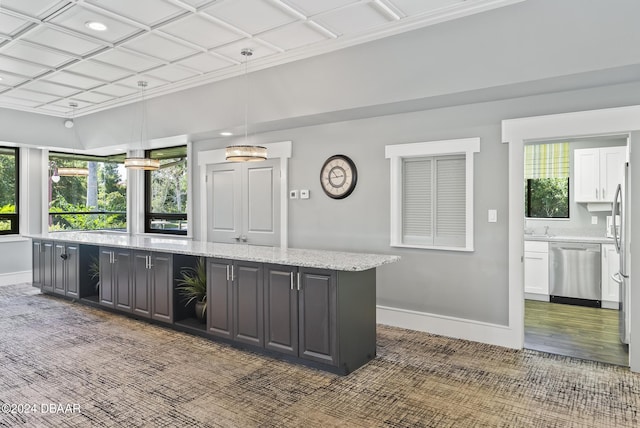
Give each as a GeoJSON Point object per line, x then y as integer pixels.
{"type": "Point", "coordinates": [15, 277]}
{"type": "Point", "coordinates": [536, 296]}
{"type": "Point", "coordinates": [606, 304]}
{"type": "Point", "coordinates": [458, 328]}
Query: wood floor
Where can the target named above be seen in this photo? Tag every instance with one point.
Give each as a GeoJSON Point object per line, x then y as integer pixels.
{"type": "Point", "coordinates": [575, 331]}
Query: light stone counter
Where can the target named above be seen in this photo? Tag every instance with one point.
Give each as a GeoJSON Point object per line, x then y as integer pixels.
{"type": "Point", "coordinates": [587, 239]}
{"type": "Point", "coordinates": [333, 260]}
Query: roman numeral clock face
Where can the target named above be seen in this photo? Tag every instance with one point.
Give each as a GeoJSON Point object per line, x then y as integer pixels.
{"type": "Point", "coordinates": [338, 176]}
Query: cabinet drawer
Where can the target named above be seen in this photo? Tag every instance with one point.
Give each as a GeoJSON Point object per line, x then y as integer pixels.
{"type": "Point", "coordinates": [536, 246]}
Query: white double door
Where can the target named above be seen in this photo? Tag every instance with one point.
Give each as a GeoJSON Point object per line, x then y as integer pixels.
{"type": "Point", "coordinates": [244, 202]}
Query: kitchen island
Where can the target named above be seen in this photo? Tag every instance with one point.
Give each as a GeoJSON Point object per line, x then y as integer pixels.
{"type": "Point", "coordinates": [312, 307]}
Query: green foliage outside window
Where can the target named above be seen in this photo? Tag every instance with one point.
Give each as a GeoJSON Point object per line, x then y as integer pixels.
{"type": "Point", "coordinates": [547, 198]}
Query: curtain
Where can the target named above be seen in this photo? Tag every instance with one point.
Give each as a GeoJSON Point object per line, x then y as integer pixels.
{"type": "Point", "coordinates": [546, 160]}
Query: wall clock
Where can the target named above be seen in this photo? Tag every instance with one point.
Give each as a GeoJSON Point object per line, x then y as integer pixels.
{"type": "Point", "coordinates": [338, 176]}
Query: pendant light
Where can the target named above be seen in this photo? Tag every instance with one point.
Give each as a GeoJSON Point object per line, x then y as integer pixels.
{"type": "Point", "coordinates": [72, 171]}
{"type": "Point", "coordinates": [137, 162]}
{"type": "Point", "coordinates": [246, 152]}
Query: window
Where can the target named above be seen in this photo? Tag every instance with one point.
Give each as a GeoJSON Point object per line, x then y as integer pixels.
{"type": "Point", "coordinates": [432, 194]}
{"type": "Point", "coordinates": [9, 188]}
{"type": "Point", "coordinates": [96, 200]}
{"type": "Point", "coordinates": [166, 192]}
{"type": "Point", "coordinates": [546, 171]}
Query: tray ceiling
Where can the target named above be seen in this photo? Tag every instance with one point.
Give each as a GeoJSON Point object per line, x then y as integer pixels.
{"type": "Point", "coordinates": [50, 58]}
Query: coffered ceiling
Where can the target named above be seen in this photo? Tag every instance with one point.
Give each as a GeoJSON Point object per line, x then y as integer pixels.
{"type": "Point", "coordinates": [49, 57]}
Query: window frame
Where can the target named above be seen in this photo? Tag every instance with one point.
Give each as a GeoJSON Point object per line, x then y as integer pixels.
{"type": "Point", "coordinates": [149, 215]}
{"type": "Point", "coordinates": [398, 152]}
{"type": "Point", "coordinates": [14, 218]}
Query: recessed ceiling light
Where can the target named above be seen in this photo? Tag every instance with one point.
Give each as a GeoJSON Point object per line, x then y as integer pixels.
{"type": "Point", "coordinates": [95, 26]}
{"type": "Point", "coordinates": [226, 134]}
{"type": "Point", "coordinates": [0, 77]}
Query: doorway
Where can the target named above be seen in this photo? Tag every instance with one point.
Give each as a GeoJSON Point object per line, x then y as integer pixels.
{"type": "Point", "coordinates": [518, 132]}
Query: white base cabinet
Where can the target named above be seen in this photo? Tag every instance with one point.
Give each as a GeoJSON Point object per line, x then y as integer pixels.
{"type": "Point", "coordinates": [536, 270]}
{"type": "Point", "coordinates": [610, 288]}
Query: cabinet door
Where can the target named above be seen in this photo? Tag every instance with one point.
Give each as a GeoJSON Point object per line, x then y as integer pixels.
{"type": "Point", "coordinates": [612, 161]}
{"type": "Point", "coordinates": [141, 284]}
{"type": "Point", "coordinates": [248, 306]}
{"type": "Point", "coordinates": [36, 263]}
{"type": "Point", "coordinates": [219, 298]}
{"type": "Point", "coordinates": [610, 265]}
{"type": "Point", "coordinates": [281, 309]}
{"type": "Point", "coordinates": [72, 270]}
{"type": "Point", "coordinates": [586, 170]}
{"type": "Point", "coordinates": [58, 268]}
{"type": "Point", "coordinates": [536, 272]}
{"type": "Point", "coordinates": [162, 287]}
{"type": "Point", "coordinates": [123, 284]}
{"type": "Point", "coordinates": [107, 277]}
{"type": "Point", "coordinates": [317, 320]}
{"type": "Point", "coordinates": [47, 266]}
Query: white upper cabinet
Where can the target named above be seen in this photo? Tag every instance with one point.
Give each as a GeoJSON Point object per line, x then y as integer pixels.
{"type": "Point", "coordinates": [597, 173]}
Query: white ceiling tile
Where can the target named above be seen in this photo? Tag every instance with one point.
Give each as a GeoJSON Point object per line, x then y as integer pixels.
{"type": "Point", "coordinates": [17, 67]}
{"type": "Point", "coordinates": [197, 3]}
{"type": "Point", "coordinates": [170, 73]}
{"type": "Point", "coordinates": [34, 8]}
{"type": "Point", "coordinates": [64, 104]}
{"type": "Point", "coordinates": [152, 83]}
{"type": "Point", "coordinates": [414, 7]}
{"type": "Point", "coordinates": [116, 90]}
{"type": "Point", "coordinates": [17, 101]}
{"type": "Point", "coordinates": [33, 96]}
{"type": "Point", "coordinates": [293, 35]}
{"type": "Point", "coordinates": [92, 97]}
{"type": "Point", "coordinates": [148, 12]}
{"type": "Point", "coordinates": [37, 55]}
{"type": "Point", "coordinates": [159, 47]}
{"type": "Point", "coordinates": [74, 80]}
{"type": "Point", "coordinates": [205, 62]}
{"type": "Point", "coordinates": [312, 7]}
{"type": "Point", "coordinates": [50, 88]}
{"type": "Point", "coordinates": [62, 41]}
{"type": "Point", "coordinates": [76, 18]}
{"type": "Point", "coordinates": [353, 20]}
{"type": "Point", "coordinates": [10, 79]}
{"type": "Point", "coordinates": [9, 24]}
{"type": "Point", "coordinates": [95, 68]}
{"type": "Point", "coordinates": [201, 31]}
{"type": "Point", "coordinates": [123, 59]}
{"type": "Point", "coordinates": [251, 16]}
{"type": "Point", "coordinates": [233, 50]}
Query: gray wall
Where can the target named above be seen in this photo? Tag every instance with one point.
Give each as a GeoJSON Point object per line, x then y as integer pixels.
{"type": "Point", "coordinates": [579, 222]}
{"type": "Point", "coordinates": [16, 257]}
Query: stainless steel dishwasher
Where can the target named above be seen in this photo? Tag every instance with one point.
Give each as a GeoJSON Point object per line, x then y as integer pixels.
{"type": "Point", "coordinates": [574, 273]}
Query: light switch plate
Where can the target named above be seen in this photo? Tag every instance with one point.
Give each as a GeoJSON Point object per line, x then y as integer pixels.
{"type": "Point", "coordinates": [594, 219]}
{"type": "Point", "coordinates": [493, 216]}
{"type": "Point", "coordinates": [304, 193]}
{"type": "Point", "coordinates": [293, 194]}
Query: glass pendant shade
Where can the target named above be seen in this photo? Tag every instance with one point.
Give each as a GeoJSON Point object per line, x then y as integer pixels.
{"type": "Point", "coordinates": [146, 164]}
{"type": "Point", "coordinates": [245, 153]}
{"type": "Point", "coordinates": [72, 172]}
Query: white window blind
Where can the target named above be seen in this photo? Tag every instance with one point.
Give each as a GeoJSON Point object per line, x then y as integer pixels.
{"type": "Point", "coordinates": [546, 160]}
{"type": "Point", "coordinates": [432, 194]}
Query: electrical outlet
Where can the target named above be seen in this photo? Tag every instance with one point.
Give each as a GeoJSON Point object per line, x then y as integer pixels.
{"type": "Point", "coordinates": [293, 194]}
{"type": "Point", "coordinates": [594, 219]}
{"type": "Point", "coordinates": [493, 216]}
{"type": "Point", "coordinates": [304, 194]}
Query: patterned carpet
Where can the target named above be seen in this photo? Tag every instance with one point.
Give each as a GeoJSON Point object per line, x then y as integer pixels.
{"type": "Point", "coordinates": [120, 372]}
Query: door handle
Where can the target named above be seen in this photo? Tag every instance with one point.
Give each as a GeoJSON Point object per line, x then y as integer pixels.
{"type": "Point", "coordinates": [617, 278]}
{"type": "Point", "coordinates": [596, 193]}
{"type": "Point", "coordinates": [298, 275]}
{"type": "Point", "coordinates": [150, 265]}
{"type": "Point", "coordinates": [64, 256]}
{"type": "Point", "coordinates": [603, 194]}
{"type": "Point", "coordinates": [244, 238]}
{"type": "Point", "coordinates": [237, 238]}
{"type": "Point", "coordinates": [291, 276]}
{"type": "Point", "coordinates": [227, 272]}
{"type": "Point", "coordinates": [233, 276]}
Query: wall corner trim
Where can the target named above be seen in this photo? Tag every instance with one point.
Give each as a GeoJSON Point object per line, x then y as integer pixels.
{"type": "Point", "coordinates": [458, 328]}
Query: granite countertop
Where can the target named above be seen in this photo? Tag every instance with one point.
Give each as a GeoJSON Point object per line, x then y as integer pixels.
{"type": "Point", "coordinates": [565, 238]}
{"type": "Point", "coordinates": [333, 260]}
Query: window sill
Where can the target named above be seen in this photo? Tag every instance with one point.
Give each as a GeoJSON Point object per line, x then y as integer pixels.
{"type": "Point", "coordinates": [430, 247]}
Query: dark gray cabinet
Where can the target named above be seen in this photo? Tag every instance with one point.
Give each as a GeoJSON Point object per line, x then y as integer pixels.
{"type": "Point", "coordinates": [122, 285]}
{"type": "Point", "coordinates": [235, 300]}
{"type": "Point", "coordinates": [47, 266]}
{"type": "Point", "coordinates": [66, 265]}
{"type": "Point", "coordinates": [112, 271]}
{"type": "Point", "coordinates": [300, 312]}
{"type": "Point", "coordinates": [153, 285]}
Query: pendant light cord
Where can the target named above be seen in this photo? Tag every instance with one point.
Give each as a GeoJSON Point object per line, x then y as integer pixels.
{"type": "Point", "coordinates": [247, 53]}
